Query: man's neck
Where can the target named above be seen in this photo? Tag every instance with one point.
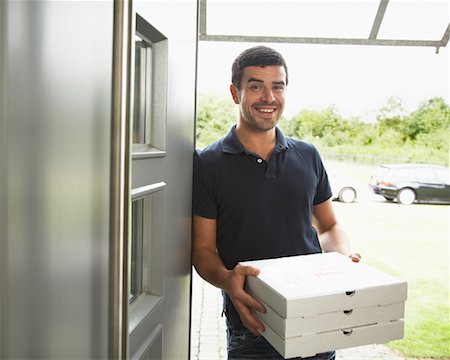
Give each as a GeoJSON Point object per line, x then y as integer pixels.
{"type": "Point", "coordinates": [258, 142]}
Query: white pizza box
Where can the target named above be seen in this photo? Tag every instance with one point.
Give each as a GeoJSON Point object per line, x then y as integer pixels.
{"type": "Point", "coordinates": [333, 320]}
{"type": "Point", "coordinates": [312, 344]}
{"type": "Point", "coordinates": [309, 285]}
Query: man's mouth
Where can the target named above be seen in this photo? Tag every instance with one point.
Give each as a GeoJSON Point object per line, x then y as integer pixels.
{"type": "Point", "coordinates": [265, 110]}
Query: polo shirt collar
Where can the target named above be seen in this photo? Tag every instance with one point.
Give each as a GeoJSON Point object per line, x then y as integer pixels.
{"type": "Point", "coordinates": [232, 145]}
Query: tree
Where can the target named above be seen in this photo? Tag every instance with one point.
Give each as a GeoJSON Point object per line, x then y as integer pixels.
{"type": "Point", "coordinates": [390, 117]}
{"type": "Point", "coordinates": [432, 116]}
{"type": "Point", "coordinates": [215, 116]}
{"type": "Point", "coordinates": [418, 136]}
{"type": "Point", "coordinates": [394, 108]}
{"type": "Point", "coordinates": [317, 124]}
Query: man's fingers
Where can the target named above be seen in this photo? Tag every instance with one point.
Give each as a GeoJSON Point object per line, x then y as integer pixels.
{"type": "Point", "coordinates": [256, 327]}
{"type": "Point", "coordinates": [246, 270]}
{"type": "Point", "coordinates": [355, 257]}
{"type": "Point", "coordinates": [243, 296]}
{"type": "Point", "coordinates": [249, 320]}
{"type": "Point", "coordinates": [243, 302]}
{"type": "Point", "coordinates": [252, 303]}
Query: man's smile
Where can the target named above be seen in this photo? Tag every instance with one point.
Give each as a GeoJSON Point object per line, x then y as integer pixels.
{"type": "Point", "coordinates": [265, 109]}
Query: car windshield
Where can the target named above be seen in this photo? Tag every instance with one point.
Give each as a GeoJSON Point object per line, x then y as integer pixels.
{"type": "Point", "coordinates": [381, 171]}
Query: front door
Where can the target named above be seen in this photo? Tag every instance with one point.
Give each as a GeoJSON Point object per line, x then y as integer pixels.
{"type": "Point", "coordinates": [162, 136]}
{"type": "Point", "coordinates": [56, 169]}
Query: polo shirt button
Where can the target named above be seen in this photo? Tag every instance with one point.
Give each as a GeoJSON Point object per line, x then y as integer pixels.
{"type": "Point", "coordinates": [259, 161]}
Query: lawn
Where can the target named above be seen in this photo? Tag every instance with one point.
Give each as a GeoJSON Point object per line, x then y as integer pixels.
{"type": "Point", "coordinates": [412, 243]}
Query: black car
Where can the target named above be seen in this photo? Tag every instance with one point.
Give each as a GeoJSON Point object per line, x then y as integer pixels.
{"type": "Point", "coordinates": [409, 183]}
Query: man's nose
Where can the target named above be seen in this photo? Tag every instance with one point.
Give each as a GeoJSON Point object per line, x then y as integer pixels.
{"type": "Point", "coordinates": [267, 95]}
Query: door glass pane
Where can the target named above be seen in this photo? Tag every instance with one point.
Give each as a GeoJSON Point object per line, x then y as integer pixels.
{"type": "Point", "coordinates": [150, 91]}
{"type": "Point", "coordinates": [142, 129]}
{"type": "Point", "coordinates": [136, 261]}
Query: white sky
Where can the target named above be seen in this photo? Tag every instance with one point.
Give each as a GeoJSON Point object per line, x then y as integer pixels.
{"type": "Point", "coordinates": [358, 80]}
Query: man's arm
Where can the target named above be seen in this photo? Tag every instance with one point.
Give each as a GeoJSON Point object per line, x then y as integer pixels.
{"type": "Point", "coordinates": [211, 268]}
{"type": "Point", "coordinates": [332, 236]}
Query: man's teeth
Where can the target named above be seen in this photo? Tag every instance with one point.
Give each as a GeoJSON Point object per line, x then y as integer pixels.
{"type": "Point", "coordinates": [267, 110]}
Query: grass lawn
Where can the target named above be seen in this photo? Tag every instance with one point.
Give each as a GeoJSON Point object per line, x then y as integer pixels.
{"type": "Point", "coordinates": [412, 243]}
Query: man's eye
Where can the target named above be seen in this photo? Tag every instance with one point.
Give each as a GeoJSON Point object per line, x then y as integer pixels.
{"type": "Point", "coordinates": [255, 87]}
{"type": "Point", "coordinates": [279, 88]}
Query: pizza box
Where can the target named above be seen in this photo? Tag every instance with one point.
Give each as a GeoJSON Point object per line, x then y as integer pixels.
{"type": "Point", "coordinates": [309, 285]}
{"type": "Point", "coordinates": [333, 320]}
{"type": "Point", "coordinates": [312, 344]}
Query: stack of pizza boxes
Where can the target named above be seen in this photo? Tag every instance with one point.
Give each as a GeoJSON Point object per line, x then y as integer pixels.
{"type": "Point", "coordinates": [322, 302]}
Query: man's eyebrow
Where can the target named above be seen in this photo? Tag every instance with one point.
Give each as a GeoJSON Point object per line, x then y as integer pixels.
{"type": "Point", "coordinates": [281, 82]}
{"type": "Point", "coordinates": [254, 80]}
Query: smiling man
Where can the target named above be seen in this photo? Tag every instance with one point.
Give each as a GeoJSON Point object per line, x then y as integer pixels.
{"type": "Point", "coordinates": [255, 195]}
{"type": "Point", "coordinates": [261, 96]}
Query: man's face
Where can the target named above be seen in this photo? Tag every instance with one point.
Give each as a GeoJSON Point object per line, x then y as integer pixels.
{"type": "Point", "coordinates": [261, 96]}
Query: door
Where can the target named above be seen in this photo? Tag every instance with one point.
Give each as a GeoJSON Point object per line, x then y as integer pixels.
{"type": "Point", "coordinates": [162, 133]}
{"type": "Point", "coordinates": [55, 120]}
{"type": "Point", "coordinates": [56, 156]}
{"type": "Point", "coordinates": [429, 186]}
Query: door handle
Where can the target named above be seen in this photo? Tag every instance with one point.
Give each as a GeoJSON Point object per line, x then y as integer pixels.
{"type": "Point", "coordinates": [119, 215]}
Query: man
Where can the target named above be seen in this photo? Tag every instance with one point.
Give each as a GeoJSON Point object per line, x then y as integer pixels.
{"type": "Point", "coordinates": [255, 196]}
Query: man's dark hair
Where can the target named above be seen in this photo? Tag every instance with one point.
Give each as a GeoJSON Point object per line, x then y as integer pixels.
{"type": "Point", "coordinates": [256, 56]}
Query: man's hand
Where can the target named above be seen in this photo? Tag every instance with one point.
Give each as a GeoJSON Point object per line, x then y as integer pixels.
{"type": "Point", "coordinates": [242, 301]}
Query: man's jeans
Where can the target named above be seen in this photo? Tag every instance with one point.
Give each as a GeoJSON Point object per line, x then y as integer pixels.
{"type": "Point", "coordinates": [242, 344]}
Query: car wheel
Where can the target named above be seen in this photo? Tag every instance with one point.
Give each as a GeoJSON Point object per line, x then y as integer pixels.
{"type": "Point", "coordinates": [347, 195]}
{"type": "Point", "coordinates": [406, 196]}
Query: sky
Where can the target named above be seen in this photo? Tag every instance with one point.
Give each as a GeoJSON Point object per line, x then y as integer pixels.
{"type": "Point", "coordinates": [356, 80]}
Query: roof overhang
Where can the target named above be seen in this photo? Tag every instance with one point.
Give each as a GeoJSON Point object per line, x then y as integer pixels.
{"type": "Point", "coordinates": [372, 39]}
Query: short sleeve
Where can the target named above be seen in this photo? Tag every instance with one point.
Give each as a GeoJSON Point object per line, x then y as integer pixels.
{"type": "Point", "coordinates": [323, 191]}
{"type": "Point", "coordinates": [203, 200]}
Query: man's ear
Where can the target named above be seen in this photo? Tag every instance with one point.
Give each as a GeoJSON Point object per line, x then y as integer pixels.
{"type": "Point", "coordinates": [234, 94]}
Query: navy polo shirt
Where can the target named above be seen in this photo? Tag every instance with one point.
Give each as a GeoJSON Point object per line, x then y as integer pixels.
{"type": "Point", "coordinates": [263, 208]}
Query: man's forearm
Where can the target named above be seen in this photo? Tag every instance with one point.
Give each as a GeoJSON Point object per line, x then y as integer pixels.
{"type": "Point", "coordinates": [210, 267]}
{"type": "Point", "coordinates": [335, 239]}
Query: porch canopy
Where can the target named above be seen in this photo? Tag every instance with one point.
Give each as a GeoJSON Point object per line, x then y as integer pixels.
{"type": "Point", "coordinates": [423, 23]}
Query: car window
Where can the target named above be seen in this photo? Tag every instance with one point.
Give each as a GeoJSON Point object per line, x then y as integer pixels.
{"type": "Point", "coordinates": [426, 175]}
{"type": "Point", "coordinates": [443, 175]}
{"type": "Point", "coordinates": [405, 174]}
